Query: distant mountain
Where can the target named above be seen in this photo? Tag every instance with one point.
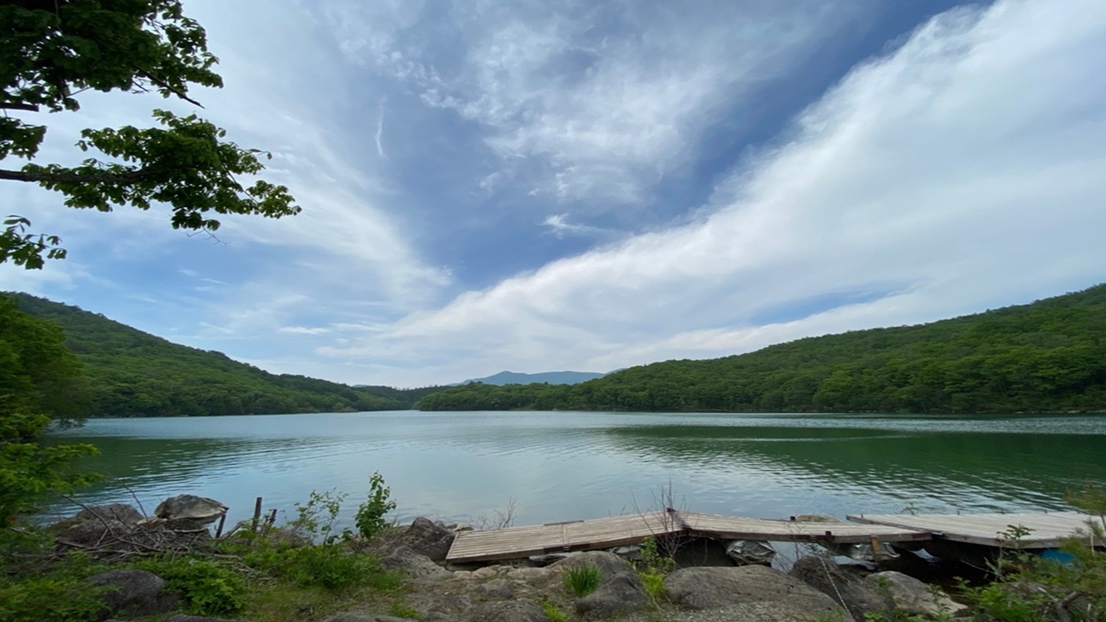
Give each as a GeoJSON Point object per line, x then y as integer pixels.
{"type": "Point", "coordinates": [135, 374]}
{"type": "Point", "coordinates": [549, 377]}
{"type": "Point", "coordinates": [1049, 356]}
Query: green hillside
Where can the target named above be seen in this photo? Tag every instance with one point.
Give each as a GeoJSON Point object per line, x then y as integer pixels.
{"type": "Point", "coordinates": [1048, 356]}
{"type": "Point", "coordinates": [134, 374]}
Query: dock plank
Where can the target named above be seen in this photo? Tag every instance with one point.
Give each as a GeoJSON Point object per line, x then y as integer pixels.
{"type": "Point", "coordinates": [517, 542]}
{"type": "Point", "coordinates": [1047, 529]}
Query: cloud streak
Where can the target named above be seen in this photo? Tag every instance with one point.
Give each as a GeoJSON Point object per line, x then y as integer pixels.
{"type": "Point", "coordinates": [964, 170]}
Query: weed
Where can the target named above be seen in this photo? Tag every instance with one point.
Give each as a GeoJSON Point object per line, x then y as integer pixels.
{"type": "Point", "coordinates": [400, 609]}
{"type": "Point", "coordinates": [553, 612]}
{"type": "Point", "coordinates": [370, 514]}
{"type": "Point", "coordinates": [653, 582]}
{"type": "Point", "coordinates": [208, 588]}
{"type": "Point", "coordinates": [581, 581]}
{"type": "Point", "coordinates": [48, 598]}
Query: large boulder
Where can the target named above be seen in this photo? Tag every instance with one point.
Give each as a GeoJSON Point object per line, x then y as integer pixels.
{"type": "Point", "coordinates": [769, 589]}
{"type": "Point", "coordinates": [620, 593]}
{"type": "Point", "coordinates": [133, 593]}
{"type": "Point", "coordinates": [428, 538]}
{"type": "Point", "coordinates": [120, 512]}
{"type": "Point", "coordinates": [507, 611]}
{"type": "Point", "coordinates": [847, 589]}
{"type": "Point", "coordinates": [418, 566]}
{"type": "Point", "coordinates": [608, 564]}
{"type": "Point", "coordinates": [912, 596]}
{"type": "Point", "coordinates": [195, 510]}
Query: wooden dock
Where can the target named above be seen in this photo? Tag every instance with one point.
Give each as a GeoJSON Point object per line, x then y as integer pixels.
{"type": "Point", "coordinates": [1046, 529]}
{"type": "Point", "coordinates": [601, 533]}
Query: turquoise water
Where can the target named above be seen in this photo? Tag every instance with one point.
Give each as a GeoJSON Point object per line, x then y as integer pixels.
{"type": "Point", "coordinates": [558, 466]}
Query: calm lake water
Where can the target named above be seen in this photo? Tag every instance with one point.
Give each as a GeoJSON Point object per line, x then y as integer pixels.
{"type": "Point", "coordinates": [563, 466]}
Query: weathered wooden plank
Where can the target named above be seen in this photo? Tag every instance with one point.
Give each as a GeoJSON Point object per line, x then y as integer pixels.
{"type": "Point", "coordinates": [737, 528]}
{"type": "Point", "coordinates": [1047, 529]}
{"type": "Point", "coordinates": [516, 542]}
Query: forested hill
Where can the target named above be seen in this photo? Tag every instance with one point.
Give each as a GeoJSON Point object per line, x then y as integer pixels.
{"type": "Point", "coordinates": [1049, 356]}
{"type": "Point", "coordinates": [134, 374]}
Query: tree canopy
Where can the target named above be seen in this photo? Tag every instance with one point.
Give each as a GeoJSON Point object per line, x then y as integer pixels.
{"type": "Point", "coordinates": [39, 379]}
{"type": "Point", "coordinates": [1049, 356]}
{"type": "Point", "coordinates": [52, 51]}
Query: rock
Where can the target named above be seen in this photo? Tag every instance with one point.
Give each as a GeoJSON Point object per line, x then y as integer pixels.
{"type": "Point", "coordinates": [721, 587]}
{"type": "Point", "coordinates": [186, 618]}
{"type": "Point", "coordinates": [508, 611]}
{"type": "Point", "coordinates": [90, 531]}
{"type": "Point", "coordinates": [529, 574]}
{"type": "Point", "coordinates": [497, 589]}
{"type": "Point", "coordinates": [414, 564]}
{"type": "Point", "coordinates": [428, 538]}
{"type": "Point", "coordinates": [846, 589]}
{"type": "Point", "coordinates": [199, 510]}
{"type": "Point", "coordinates": [609, 564]}
{"type": "Point", "coordinates": [133, 593]}
{"type": "Point", "coordinates": [120, 512]}
{"type": "Point", "coordinates": [487, 572]}
{"type": "Point", "coordinates": [912, 596]}
{"type": "Point", "coordinates": [357, 616]}
{"type": "Point", "coordinates": [622, 592]}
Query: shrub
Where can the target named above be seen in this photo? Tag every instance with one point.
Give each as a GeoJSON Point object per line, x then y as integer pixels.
{"type": "Point", "coordinates": [207, 587]}
{"type": "Point", "coordinates": [370, 514]}
{"type": "Point", "coordinates": [581, 581]}
{"type": "Point", "coordinates": [324, 565]}
{"type": "Point", "coordinates": [653, 583]}
{"type": "Point", "coordinates": [48, 598]}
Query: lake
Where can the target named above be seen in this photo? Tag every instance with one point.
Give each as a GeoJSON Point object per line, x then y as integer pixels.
{"type": "Point", "coordinates": [558, 466]}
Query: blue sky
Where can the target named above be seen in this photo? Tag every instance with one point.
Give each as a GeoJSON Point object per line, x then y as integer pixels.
{"type": "Point", "coordinates": [577, 185]}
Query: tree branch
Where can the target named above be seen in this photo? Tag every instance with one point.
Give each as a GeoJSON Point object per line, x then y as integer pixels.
{"type": "Point", "coordinates": [18, 106]}
{"type": "Point", "coordinates": [72, 177]}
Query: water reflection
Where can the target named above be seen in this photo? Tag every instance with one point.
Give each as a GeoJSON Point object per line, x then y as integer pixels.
{"type": "Point", "coordinates": [563, 466]}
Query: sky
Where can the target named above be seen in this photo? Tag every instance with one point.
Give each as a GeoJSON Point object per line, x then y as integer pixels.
{"type": "Point", "coordinates": [540, 186]}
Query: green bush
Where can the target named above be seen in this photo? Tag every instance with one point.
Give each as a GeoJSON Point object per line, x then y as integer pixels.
{"type": "Point", "coordinates": [370, 514]}
{"type": "Point", "coordinates": [48, 598]}
{"type": "Point", "coordinates": [581, 581]}
{"type": "Point", "coordinates": [325, 565]}
{"type": "Point", "coordinates": [207, 587]}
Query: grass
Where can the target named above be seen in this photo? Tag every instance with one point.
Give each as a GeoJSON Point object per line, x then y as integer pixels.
{"type": "Point", "coordinates": [581, 581]}
{"type": "Point", "coordinates": [553, 612]}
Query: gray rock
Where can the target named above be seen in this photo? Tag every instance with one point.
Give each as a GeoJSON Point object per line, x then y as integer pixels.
{"type": "Point", "coordinates": [428, 538]}
{"type": "Point", "coordinates": [846, 589]}
{"type": "Point", "coordinates": [186, 618]}
{"type": "Point", "coordinates": [90, 531]}
{"type": "Point", "coordinates": [719, 587]}
{"type": "Point", "coordinates": [133, 593]}
{"type": "Point", "coordinates": [120, 512]}
{"type": "Point", "coordinates": [415, 565]}
{"type": "Point", "coordinates": [199, 510]}
{"type": "Point", "coordinates": [622, 592]}
{"type": "Point", "coordinates": [497, 589]}
{"type": "Point", "coordinates": [357, 616]}
{"type": "Point", "coordinates": [509, 611]}
{"type": "Point", "coordinates": [609, 564]}
{"type": "Point", "coordinates": [912, 596]}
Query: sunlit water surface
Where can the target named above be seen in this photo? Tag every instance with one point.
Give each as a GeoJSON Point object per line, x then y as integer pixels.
{"type": "Point", "coordinates": [558, 466]}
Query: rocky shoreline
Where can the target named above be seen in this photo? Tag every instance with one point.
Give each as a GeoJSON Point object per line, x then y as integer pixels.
{"type": "Point", "coordinates": [815, 588]}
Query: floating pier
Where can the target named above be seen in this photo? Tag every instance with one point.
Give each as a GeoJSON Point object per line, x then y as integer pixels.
{"type": "Point", "coordinates": [1046, 531]}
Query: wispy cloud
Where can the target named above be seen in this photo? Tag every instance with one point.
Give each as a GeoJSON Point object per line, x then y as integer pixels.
{"type": "Point", "coordinates": [966, 170]}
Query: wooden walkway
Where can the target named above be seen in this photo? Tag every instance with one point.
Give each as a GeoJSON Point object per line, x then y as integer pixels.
{"type": "Point", "coordinates": [1047, 529]}
{"type": "Point", "coordinates": [518, 542]}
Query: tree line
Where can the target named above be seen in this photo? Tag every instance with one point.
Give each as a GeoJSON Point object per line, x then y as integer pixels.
{"type": "Point", "coordinates": [1049, 356]}
{"type": "Point", "coordinates": [129, 373]}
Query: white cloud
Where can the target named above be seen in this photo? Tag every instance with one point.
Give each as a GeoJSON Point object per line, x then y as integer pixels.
{"type": "Point", "coordinates": [602, 116]}
{"type": "Point", "coordinates": [964, 171]}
